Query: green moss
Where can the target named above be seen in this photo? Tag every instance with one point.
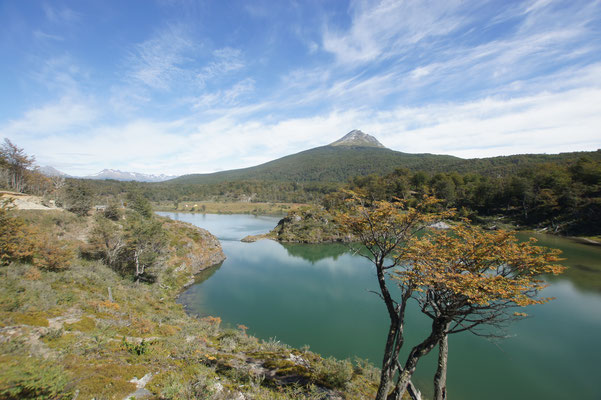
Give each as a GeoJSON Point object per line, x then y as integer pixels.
{"type": "Point", "coordinates": [105, 379]}
{"type": "Point", "coordinates": [85, 324]}
{"type": "Point", "coordinates": [31, 318]}
{"type": "Point", "coordinates": [66, 341]}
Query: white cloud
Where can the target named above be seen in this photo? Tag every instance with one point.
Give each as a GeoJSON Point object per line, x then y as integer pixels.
{"type": "Point", "coordinates": [227, 97]}
{"type": "Point", "coordinates": [413, 74]}
{"type": "Point", "coordinates": [68, 113]}
{"type": "Point", "coordinates": [543, 123]}
{"type": "Point", "coordinates": [546, 122]}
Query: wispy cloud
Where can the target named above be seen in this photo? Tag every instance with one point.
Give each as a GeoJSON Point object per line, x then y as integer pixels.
{"type": "Point", "coordinates": [227, 97]}
{"type": "Point", "coordinates": [225, 60]}
{"type": "Point", "coordinates": [60, 15]}
{"type": "Point", "coordinates": [473, 80]}
{"type": "Point", "coordinates": [61, 74]}
{"type": "Point", "coordinates": [40, 35]}
{"type": "Point", "coordinates": [385, 29]}
{"type": "Point", "coordinates": [160, 61]}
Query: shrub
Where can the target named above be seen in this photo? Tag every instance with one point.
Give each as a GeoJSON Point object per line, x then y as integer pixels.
{"type": "Point", "coordinates": [136, 348]}
{"type": "Point", "coordinates": [32, 378]}
{"type": "Point", "coordinates": [78, 198]}
{"type": "Point", "coordinates": [113, 212]}
{"type": "Point", "coordinates": [16, 242]}
{"type": "Point", "coordinates": [334, 373]}
{"type": "Point", "coordinates": [51, 254]}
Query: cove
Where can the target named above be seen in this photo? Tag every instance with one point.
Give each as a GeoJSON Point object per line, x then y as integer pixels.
{"type": "Point", "coordinates": [318, 295]}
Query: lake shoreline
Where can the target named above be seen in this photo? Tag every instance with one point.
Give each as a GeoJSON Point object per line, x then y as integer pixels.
{"type": "Point", "coordinates": [326, 277]}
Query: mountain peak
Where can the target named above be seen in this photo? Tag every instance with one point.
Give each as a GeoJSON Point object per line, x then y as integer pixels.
{"type": "Point", "coordinates": [356, 138]}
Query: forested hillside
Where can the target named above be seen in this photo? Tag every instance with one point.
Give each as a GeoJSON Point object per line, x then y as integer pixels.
{"type": "Point", "coordinates": [562, 196]}
{"type": "Point", "coordinates": [326, 164]}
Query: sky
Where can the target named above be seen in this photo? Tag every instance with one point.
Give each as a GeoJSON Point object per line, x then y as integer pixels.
{"type": "Point", "coordinates": [195, 86]}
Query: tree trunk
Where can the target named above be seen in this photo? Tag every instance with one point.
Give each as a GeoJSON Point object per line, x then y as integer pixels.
{"type": "Point", "coordinates": [137, 264]}
{"type": "Point", "coordinates": [395, 339]}
{"type": "Point", "coordinates": [387, 364]}
{"type": "Point", "coordinates": [438, 331]}
{"type": "Point", "coordinates": [440, 378]}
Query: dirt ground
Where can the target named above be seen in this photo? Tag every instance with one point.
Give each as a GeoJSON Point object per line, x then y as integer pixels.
{"type": "Point", "coordinates": [26, 202]}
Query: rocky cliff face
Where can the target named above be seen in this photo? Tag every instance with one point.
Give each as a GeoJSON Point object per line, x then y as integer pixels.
{"type": "Point", "coordinates": [193, 249]}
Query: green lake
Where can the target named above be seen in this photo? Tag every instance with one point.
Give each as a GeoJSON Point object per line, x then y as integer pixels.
{"type": "Point", "coordinates": [318, 295]}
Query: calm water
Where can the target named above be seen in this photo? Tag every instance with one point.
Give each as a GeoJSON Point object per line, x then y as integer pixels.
{"type": "Point", "coordinates": [319, 295]}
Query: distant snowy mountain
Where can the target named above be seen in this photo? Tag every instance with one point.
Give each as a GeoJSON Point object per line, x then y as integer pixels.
{"type": "Point", "coordinates": [51, 171]}
{"type": "Point", "coordinates": [129, 176]}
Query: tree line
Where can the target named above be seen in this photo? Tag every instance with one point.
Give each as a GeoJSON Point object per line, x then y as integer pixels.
{"type": "Point", "coordinates": [561, 193]}
{"type": "Point", "coordinates": [562, 197]}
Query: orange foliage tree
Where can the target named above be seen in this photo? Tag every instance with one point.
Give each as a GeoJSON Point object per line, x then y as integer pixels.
{"type": "Point", "coordinates": [21, 242]}
{"type": "Point", "coordinates": [462, 279]}
{"type": "Point", "coordinates": [468, 279]}
{"type": "Point", "coordinates": [16, 242]}
{"type": "Point", "coordinates": [385, 229]}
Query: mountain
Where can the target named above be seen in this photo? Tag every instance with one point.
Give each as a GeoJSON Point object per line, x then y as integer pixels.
{"type": "Point", "coordinates": [357, 153]}
{"type": "Point", "coordinates": [128, 176]}
{"type": "Point", "coordinates": [51, 172]}
{"type": "Point", "coordinates": [354, 154]}
{"type": "Point", "coordinates": [356, 138]}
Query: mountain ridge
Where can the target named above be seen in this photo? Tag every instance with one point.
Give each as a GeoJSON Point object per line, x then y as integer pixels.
{"type": "Point", "coordinates": [108, 173]}
{"type": "Point", "coordinates": [330, 163]}
{"type": "Point", "coordinates": [119, 175]}
{"type": "Point", "coordinates": [359, 154]}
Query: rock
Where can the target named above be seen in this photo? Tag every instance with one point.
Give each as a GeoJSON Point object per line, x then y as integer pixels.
{"type": "Point", "coordinates": [440, 225]}
{"type": "Point", "coordinates": [203, 250]}
{"type": "Point", "coordinates": [298, 360]}
{"type": "Point", "coordinates": [140, 393]}
{"type": "Point", "coordinates": [254, 238]}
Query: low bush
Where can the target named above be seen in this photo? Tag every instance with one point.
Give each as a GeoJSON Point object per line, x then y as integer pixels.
{"type": "Point", "coordinates": [32, 378]}
{"type": "Point", "coordinates": [333, 373]}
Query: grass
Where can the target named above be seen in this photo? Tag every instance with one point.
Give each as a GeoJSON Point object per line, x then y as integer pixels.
{"type": "Point", "coordinates": [66, 338]}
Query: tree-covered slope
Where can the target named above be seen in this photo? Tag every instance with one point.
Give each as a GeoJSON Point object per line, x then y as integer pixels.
{"type": "Point", "coordinates": [340, 163]}
{"type": "Point", "coordinates": [327, 164]}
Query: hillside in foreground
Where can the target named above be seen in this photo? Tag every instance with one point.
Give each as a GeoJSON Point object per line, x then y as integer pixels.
{"type": "Point", "coordinates": [72, 326]}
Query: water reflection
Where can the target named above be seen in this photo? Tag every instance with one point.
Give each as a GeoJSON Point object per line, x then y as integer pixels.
{"type": "Point", "coordinates": [583, 260]}
{"type": "Point", "coordinates": [316, 252]}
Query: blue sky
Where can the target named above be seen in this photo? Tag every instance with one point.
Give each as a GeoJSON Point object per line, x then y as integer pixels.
{"type": "Point", "coordinates": [185, 86]}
